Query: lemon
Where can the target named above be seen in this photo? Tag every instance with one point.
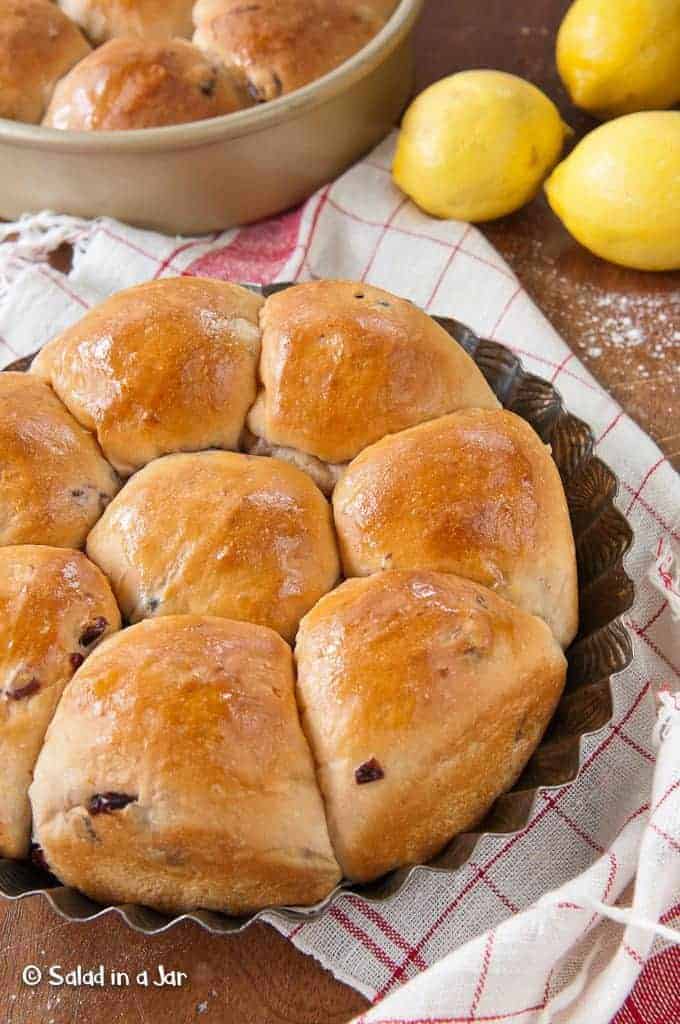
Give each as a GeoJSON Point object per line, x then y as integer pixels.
{"type": "Point", "coordinates": [620, 56]}
{"type": "Point", "coordinates": [477, 145]}
{"type": "Point", "coordinates": [618, 192]}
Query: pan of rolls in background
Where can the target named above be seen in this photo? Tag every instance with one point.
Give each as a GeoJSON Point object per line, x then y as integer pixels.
{"type": "Point", "coordinates": [191, 117]}
{"type": "Point", "coordinates": [300, 588]}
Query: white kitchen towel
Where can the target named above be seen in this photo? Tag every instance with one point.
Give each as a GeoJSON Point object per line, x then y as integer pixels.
{"type": "Point", "coordinates": [556, 922]}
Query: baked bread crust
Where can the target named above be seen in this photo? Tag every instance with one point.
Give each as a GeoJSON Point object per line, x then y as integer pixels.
{"type": "Point", "coordinates": [477, 494]}
{"type": "Point", "coordinates": [136, 83]}
{"type": "Point", "coordinates": [324, 474]}
{"type": "Point", "coordinates": [278, 46]}
{"type": "Point", "coordinates": [55, 481]}
{"type": "Point", "coordinates": [343, 364]}
{"type": "Point", "coordinates": [422, 696]}
{"type": "Point", "coordinates": [165, 366]}
{"type": "Point", "coordinates": [183, 766]}
{"type": "Point", "coordinates": [55, 606]}
{"type": "Point", "coordinates": [149, 19]}
{"type": "Point", "coordinates": [38, 45]}
{"type": "Point", "coordinates": [194, 720]}
{"type": "Point", "coordinates": [217, 533]}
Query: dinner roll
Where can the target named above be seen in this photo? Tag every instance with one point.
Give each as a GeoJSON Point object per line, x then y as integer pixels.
{"type": "Point", "coordinates": [55, 481]}
{"type": "Point", "coordinates": [38, 44]}
{"type": "Point", "coordinates": [55, 606]}
{"type": "Point", "coordinates": [175, 774]}
{"type": "Point", "coordinates": [475, 493]}
{"type": "Point", "coordinates": [385, 8]}
{"type": "Point", "coordinates": [150, 19]}
{"type": "Point", "coordinates": [280, 45]}
{"type": "Point", "coordinates": [344, 363]}
{"type": "Point", "coordinates": [138, 83]}
{"type": "Point", "coordinates": [422, 696]}
{"type": "Point", "coordinates": [166, 366]}
{"type": "Point", "coordinates": [217, 533]}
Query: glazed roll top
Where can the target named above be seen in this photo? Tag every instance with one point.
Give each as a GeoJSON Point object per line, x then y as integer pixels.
{"type": "Point", "coordinates": [280, 45]}
{"type": "Point", "coordinates": [150, 19]}
{"type": "Point", "coordinates": [176, 774]}
{"type": "Point", "coordinates": [55, 607]}
{"type": "Point", "coordinates": [476, 493]}
{"type": "Point", "coordinates": [38, 45]}
{"type": "Point", "coordinates": [343, 364]}
{"type": "Point", "coordinates": [55, 481]}
{"type": "Point", "coordinates": [218, 533]}
{"type": "Point", "coordinates": [140, 83]}
{"type": "Point", "coordinates": [422, 696]}
{"type": "Point", "coordinates": [162, 367]}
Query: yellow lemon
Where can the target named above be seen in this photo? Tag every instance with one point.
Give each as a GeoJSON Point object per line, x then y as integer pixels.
{"type": "Point", "coordinates": [618, 192]}
{"type": "Point", "coordinates": [620, 56]}
{"type": "Point", "coordinates": [477, 145]}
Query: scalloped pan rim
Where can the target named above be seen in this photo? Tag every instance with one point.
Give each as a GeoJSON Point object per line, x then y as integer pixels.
{"type": "Point", "coordinates": [507, 376]}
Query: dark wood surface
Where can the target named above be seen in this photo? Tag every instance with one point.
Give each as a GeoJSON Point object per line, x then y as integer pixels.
{"type": "Point", "coordinates": [626, 328]}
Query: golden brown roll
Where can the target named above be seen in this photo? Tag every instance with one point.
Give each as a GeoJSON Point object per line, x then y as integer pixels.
{"type": "Point", "coordinates": [166, 366]}
{"type": "Point", "coordinates": [343, 364]}
{"type": "Point", "coordinates": [149, 19]}
{"type": "Point", "coordinates": [175, 774]}
{"type": "Point", "coordinates": [475, 493]}
{"type": "Point", "coordinates": [422, 696]}
{"type": "Point", "coordinates": [55, 606]}
{"type": "Point", "coordinates": [280, 45]}
{"type": "Point", "coordinates": [136, 83]}
{"type": "Point", "coordinates": [38, 45]}
{"type": "Point", "coordinates": [55, 481]}
{"type": "Point", "coordinates": [218, 534]}
{"type": "Point", "coordinates": [385, 8]}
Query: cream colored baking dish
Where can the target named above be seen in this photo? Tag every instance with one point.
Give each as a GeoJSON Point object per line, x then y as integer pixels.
{"type": "Point", "coordinates": [197, 177]}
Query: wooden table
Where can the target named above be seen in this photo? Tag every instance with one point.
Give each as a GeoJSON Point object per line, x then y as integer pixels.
{"type": "Point", "coordinates": [626, 327]}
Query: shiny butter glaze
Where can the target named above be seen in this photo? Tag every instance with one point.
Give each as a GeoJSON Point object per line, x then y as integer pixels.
{"type": "Point", "coordinates": [54, 480]}
{"type": "Point", "coordinates": [134, 83]}
{"type": "Point", "coordinates": [221, 534]}
{"type": "Point", "coordinates": [150, 19]}
{"type": "Point", "coordinates": [444, 686]}
{"type": "Point", "coordinates": [195, 720]}
{"type": "Point", "coordinates": [343, 364]}
{"type": "Point", "coordinates": [475, 493]}
{"type": "Point", "coordinates": [38, 45]}
{"type": "Point", "coordinates": [49, 599]}
{"type": "Point", "coordinates": [165, 366]}
{"type": "Point", "coordinates": [280, 45]}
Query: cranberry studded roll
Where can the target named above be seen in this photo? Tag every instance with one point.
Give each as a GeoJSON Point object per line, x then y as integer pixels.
{"type": "Point", "coordinates": [55, 607]}
{"type": "Point", "coordinates": [422, 696]}
{"type": "Point", "coordinates": [343, 364]}
{"type": "Point", "coordinates": [216, 533]}
{"type": "Point", "coordinates": [278, 46]}
{"type": "Point", "coordinates": [475, 493]}
{"type": "Point", "coordinates": [175, 774]}
{"type": "Point", "coordinates": [133, 83]}
{"type": "Point", "coordinates": [166, 366]}
{"type": "Point", "coordinates": [55, 481]}
{"type": "Point", "coordinates": [149, 19]}
{"type": "Point", "coordinates": [38, 45]}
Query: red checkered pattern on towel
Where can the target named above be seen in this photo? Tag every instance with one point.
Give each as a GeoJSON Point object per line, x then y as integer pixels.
{"type": "Point", "coordinates": [558, 922]}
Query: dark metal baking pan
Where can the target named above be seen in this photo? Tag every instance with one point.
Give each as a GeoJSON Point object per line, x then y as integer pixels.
{"type": "Point", "coordinates": [601, 649]}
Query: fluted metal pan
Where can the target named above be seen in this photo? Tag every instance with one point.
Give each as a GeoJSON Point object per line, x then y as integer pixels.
{"type": "Point", "coordinates": [601, 649]}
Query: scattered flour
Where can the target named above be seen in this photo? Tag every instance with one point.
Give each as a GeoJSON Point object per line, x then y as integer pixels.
{"type": "Point", "coordinates": [643, 327]}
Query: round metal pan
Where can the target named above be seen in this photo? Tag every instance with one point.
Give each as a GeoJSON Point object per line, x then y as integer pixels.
{"type": "Point", "coordinates": [601, 649]}
{"type": "Point", "coordinates": [209, 175]}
